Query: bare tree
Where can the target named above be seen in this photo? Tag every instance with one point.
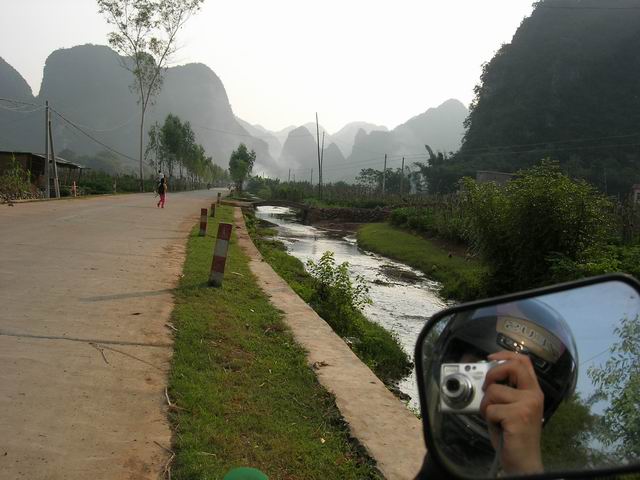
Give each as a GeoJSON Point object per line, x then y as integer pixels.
{"type": "Point", "coordinates": [144, 35]}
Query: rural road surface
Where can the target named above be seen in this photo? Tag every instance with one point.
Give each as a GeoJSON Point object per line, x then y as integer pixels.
{"type": "Point", "coordinates": [85, 295]}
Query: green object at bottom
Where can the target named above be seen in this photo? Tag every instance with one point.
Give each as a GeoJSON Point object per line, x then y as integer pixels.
{"type": "Point", "coordinates": [245, 473]}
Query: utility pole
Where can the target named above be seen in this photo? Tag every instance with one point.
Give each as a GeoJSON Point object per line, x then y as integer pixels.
{"type": "Point", "coordinates": [56, 184]}
{"type": "Point", "coordinates": [289, 175]}
{"type": "Point", "coordinates": [312, 179]}
{"type": "Point", "coordinates": [402, 178]}
{"type": "Point", "coordinates": [47, 176]}
{"type": "Point", "coordinates": [384, 174]}
{"type": "Point", "coordinates": [319, 159]}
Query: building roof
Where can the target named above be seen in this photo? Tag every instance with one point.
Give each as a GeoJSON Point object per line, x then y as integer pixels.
{"type": "Point", "coordinates": [59, 160]}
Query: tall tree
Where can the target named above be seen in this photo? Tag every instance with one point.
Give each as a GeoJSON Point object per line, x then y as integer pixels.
{"type": "Point", "coordinates": [241, 164]}
{"type": "Point", "coordinates": [145, 33]}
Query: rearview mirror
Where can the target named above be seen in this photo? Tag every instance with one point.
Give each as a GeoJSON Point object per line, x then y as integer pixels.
{"type": "Point", "coordinates": [544, 383]}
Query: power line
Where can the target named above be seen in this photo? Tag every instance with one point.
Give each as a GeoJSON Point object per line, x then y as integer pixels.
{"type": "Point", "coordinates": [107, 130]}
{"type": "Point", "coordinates": [18, 110]}
{"type": "Point", "coordinates": [20, 102]}
{"type": "Point", "coordinates": [568, 7]}
{"type": "Point", "coordinates": [8, 121]}
{"type": "Point", "coordinates": [91, 136]}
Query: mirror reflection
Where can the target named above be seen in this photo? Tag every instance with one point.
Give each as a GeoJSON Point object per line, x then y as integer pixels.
{"type": "Point", "coordinates": [543, 384]}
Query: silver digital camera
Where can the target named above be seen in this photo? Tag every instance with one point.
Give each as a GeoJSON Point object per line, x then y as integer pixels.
{"type": "Point", "coordinates": [461, 386]}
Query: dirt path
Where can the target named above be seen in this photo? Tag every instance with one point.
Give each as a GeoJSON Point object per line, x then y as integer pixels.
{"type": "Point", "coordinates": [391, 434]}
{"type": "Point", "coordinates": [85, 295]}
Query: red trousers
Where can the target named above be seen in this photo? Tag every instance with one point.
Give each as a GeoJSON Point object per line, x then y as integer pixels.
{"type": "Point", "coordinates": [161, 201]}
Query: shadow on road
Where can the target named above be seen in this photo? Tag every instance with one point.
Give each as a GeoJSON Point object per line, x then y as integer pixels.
{"type": "Point", "coordinates": [120, 296]}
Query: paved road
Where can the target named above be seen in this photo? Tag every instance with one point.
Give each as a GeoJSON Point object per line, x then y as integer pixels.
{"type": "Point", "coordinates": [85, 293]}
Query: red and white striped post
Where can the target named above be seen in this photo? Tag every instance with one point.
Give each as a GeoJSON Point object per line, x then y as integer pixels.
{"type": "Point", "coordinates": [219, 197]}
{"type": "Point", "coordinates": [213, 210]}
{"type": "Point", "coordinates": [203, 222]}
{"type": "Point", "coordinates": [220, 254]}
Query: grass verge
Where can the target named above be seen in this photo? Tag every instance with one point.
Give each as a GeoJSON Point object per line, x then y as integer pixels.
{"type": "Point", "coordinates": [372, 343]}
{"type": "Point", "coordinates": [245, 395]}
{"type": "Point", "coordinates": [461, 278]}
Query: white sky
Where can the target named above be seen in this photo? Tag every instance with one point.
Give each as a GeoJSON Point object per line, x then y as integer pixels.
{"type": "Point", "coordinates": [283, 60]}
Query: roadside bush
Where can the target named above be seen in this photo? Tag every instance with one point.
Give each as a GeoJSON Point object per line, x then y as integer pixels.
{"type": "Point", "coordinates": [15, 181]}
{"type": "Point", "coordinates": [340, 300]}
{"type": "Point", "coordinates": [399, 217]}
{"type": "Point", "coordinates": [537, 228]}
{"type": "Point", "coordinates": [335, 293]}
{"type": "Point", "coordinates": [597, 261]}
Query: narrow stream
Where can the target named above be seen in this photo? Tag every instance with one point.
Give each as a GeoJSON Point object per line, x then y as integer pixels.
{"type": "Point", "coordinates": [403, 298]}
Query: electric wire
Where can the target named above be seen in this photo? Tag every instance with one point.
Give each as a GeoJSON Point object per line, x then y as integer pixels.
{"type": "Point", "coordinates": [72, 124]}
{"type": "Point", "coordinates": [586, 7]}
{"type": "Point", "coordinates": [110, 129]}
{"type": "Point", "coordinates": [13, 100]}
{"type": "Point", "coordinates": [17, 110]}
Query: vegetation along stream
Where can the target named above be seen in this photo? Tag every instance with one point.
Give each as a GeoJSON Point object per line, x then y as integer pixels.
{"type": "Point", "coordinates": [403, 299]}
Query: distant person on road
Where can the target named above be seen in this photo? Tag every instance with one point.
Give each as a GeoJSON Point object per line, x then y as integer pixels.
{"type": "Point", "coordinates": [162, 191]}
{"type": "Point", "coordinates": [160, 176]}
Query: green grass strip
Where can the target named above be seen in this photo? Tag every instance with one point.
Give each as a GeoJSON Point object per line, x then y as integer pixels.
{"type": "Point", "coordinates": [461, 278]}
{"type": "Point", "coordinates": [244, 391]}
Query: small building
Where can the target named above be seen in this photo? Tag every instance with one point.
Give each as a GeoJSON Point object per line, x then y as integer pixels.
{"type": "Point", "coordinates": [635, 193]}
{"type": "Point", "coordinates": [34, 163]}
{"type": "Point", "coordinates": [499, 178]}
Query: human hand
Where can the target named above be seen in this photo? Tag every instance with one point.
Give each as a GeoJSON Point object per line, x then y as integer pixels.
{"type": "Point", "coordinates": [514, 408]}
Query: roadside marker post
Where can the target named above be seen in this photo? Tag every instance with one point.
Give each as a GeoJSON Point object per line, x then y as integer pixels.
{"type": "Point", "coordinates": [213, 210]}
{"type": "Point", "coordinates": [203, 222]}
{"type": "Point", "coordinates": [220, 254]}
{"type": "Point", "coordinates": [219, 197]}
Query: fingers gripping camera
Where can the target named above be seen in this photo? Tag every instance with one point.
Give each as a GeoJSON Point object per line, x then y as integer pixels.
{"type": "Point", "coordinates": [461, 386]}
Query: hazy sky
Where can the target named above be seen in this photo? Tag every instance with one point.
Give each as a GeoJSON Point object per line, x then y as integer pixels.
{"type": "Point", "coordinates": [283, 60]}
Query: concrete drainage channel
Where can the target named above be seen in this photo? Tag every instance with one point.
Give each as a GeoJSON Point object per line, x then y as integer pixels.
{"type": "Point", "coordinates": [376, 418]}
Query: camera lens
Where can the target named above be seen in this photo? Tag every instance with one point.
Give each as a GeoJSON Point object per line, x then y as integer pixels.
{"type": "Point", "coordinates": [457, 390]}
{"type": "Point", "coordinates": [453, 384]}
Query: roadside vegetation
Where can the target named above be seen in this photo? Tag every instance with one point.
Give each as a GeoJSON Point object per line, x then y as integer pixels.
{"type": "Point", "coordinates": [540, 228]}
{"type": "Point", "coordinates": [244, 394]}
{"type": "Point", "coordinates": [15, 182]}
{"type": "Point", "coordinates": [327, 288]}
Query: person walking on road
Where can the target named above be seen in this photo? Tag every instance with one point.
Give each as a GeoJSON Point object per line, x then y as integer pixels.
{"type": "Point", "coordinates": [162, 191]}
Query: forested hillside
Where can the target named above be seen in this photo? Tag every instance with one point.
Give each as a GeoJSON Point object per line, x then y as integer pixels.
{"type": "Point", "coordinates": [566, 87]}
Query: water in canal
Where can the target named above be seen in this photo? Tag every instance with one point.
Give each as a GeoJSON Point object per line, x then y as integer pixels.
{"type": "Point", "coordinates": [403, 298]}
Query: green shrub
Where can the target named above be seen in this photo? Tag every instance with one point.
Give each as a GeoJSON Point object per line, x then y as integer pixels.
{"type": "Point", "coordinates": [15, 180]}
{"type": "Point", "coordinates": [335, 294]}
{"type": "Point", "coordinates": [535, 227]}
{"type": "Point", "coordinates": [339, 300]}
{"type": "Point", "coordinates": [399, 217]}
